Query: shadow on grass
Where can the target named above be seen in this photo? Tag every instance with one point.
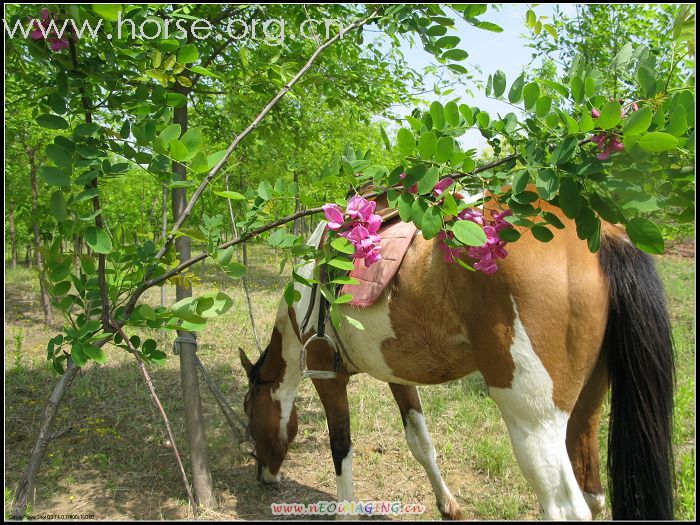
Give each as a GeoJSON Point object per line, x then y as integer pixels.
{"type": "Point", "coordinates": [112, 458]}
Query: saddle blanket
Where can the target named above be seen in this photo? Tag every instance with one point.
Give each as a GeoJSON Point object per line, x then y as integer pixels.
{"type": "Point", "coordinates": [396, 237]}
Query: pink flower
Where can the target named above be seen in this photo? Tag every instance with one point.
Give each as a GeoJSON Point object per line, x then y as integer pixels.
{"type": "Point", "coordinates": [442, 185]}
{"type": "Point", "coordinates": [360, 208]}
{"type": "Point", "coordinates": [44, 31]}
{"type": "Point", "coordinates": [595, 113]}
{"type": "Point", "coordinates": [634, 106]}
{"type": "Point", "coordinates": [334, 215]}
{"type": "Point", "coordinates": [450, 254]}
{"type": "Point", "coordinates": [490, 252]}
{"type": "Point", "coordinates": [360, 226]}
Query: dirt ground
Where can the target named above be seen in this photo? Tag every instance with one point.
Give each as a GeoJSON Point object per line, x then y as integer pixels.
{"type": "Point", "coordinates": [112, 461]}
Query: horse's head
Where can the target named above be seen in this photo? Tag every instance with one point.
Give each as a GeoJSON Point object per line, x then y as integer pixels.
{"type": "Point", "coordinates": [272, 422]}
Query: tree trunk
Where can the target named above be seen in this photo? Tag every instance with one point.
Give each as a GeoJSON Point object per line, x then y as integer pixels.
{"type": "Point", "coordinates": [45, 300]}
{"type": "Point", "coordinates": [194, 420]}
{"type": "Point", "coordinates": [164, 231]}
{"type": "Point", "coordinates": [25, 489]}
{"type": "Point", "coordinates": [13, 238]}
{"type": "Point", "coordinates": [28, 259]}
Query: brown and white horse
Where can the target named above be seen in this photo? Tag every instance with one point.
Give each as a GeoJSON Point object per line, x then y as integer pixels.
{"type": "Point", "coordinates": [550, 332]}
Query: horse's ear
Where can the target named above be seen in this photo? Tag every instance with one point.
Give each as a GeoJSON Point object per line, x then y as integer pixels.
{"type": "Point", "coordinates": [247, 365]}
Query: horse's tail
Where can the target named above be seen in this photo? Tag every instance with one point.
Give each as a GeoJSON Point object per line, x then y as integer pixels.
{"type": "Point", "coordinates": [639, 345]}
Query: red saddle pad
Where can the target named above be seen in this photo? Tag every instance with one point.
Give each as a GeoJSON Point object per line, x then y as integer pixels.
{"type": "Point", "coordinates": [396, 237]}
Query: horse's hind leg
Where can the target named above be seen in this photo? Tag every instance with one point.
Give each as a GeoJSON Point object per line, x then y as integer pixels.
{"type": "Point", "coordinates": [537, 430]}
{"type": "Point", "coordinates": [421, 446]}
{"type": "Point", "coordinates": [582, 437]}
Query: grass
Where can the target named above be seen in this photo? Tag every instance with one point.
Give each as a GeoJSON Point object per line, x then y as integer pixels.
{"type": "Point", "coordinates": [113, 461]}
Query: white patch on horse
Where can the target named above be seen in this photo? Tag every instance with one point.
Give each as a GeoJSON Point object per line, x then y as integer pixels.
{"type": "Point", "coordinates": [268, 477]}
{"type": "Point", "coordinates": [291, 348]}
{"type": "Point", "coordinates": [596, 502]}
{"type": "Point", "coordinates": [537, 430]}
{"type": "Point", "coordinates": [421, 445]}
{"type": "Point", "coordinates": [365, 346]}
{"type": "Point", "coordinates": [344, 481]}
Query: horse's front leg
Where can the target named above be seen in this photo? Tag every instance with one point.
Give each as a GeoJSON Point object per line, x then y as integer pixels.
{"type": "Point", "coordinates": [422, 448]}
{"type": "Point", "coordinates": [334, 397]}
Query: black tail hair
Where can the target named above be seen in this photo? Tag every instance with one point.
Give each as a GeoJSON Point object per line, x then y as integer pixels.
{"type": "Point", "coordinates": [639, 346]}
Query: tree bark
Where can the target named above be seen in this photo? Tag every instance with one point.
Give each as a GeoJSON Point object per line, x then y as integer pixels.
{"type": "Point", "coordinates": [194, 419]}
{"type": "Point", "coordinates": [13, 237]}
{"type": "Point", "coordinates": [45, 299]}
{"type": "Point", "coordinates": [164, 230]}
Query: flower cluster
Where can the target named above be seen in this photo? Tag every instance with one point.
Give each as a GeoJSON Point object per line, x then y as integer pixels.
{"type": "Point", "coordinates": [609, 143]}
{"type": "Point", "coordinates": [358, 224]}
{"type": "Point", "coordinates": [56, 43]}
{"type": "Point", "coordinates": [491, 251]}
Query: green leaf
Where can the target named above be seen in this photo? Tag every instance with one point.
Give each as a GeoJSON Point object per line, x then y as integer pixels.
{"type": "Point", "coordinates": [564, 150]}
{"type": "Point", "coordinates": [265, 190]}
{"type": "Point", "coordinates": [543, 106]}
{"type": "Point", "coordinates": [52, 121]}
{"type": "Point", "coordinates": [427, 144]}
{"type": "Point", "coordinates": [562, 90]}
{"type": "Point", "coordinates": [147, 312]}
{"type": "Point", "coordinates": [427, 183]}
{"type": "Point", "coordinates": [79, 357]}
{"type": "Point", "coordinates": [431, 224]}
{"type": "Point", "coordinates": [645, 235]}
{"type": "Point", "coordinates": [98, 240]}
{"type": "Point", "coordinates": [57, 205]}
{"type": "Point", "coordinates": [515, 94]}
{"type": "Point", "coordinates": [171, 132]}
{"type": "Point", "coordinates": [531, 94]}
{"type": "Point", "coordinates": [499, 83]}
{"type": "Point", "coordinates": [59, 155]}
{"type": "Point", "coordinates": [610, 115]}
{"type": "Point", "coordinates": [520, 181]}
{"type": "Point", "coordinates": [638, 122]}
{"type": "Point", "coordinates": [404, 205]}
{"type": "Point", "coordinates": [542, 233]}
{"type": "Point", "coordinates": [95, 353]}
{"type": "Point", "coordinates": [107, 11]}
{"type": "Point", "coordinates": [405, 141]}
{"type": "Point", "coordinates": [187, 54]}
{"type": "Point", "coordinates": [175, 100]}
{"type": "Point", "coordinates": [235, 270]}
{"type": "Point", "coordinates": [178, 150]}
{"type": "Point", "coordinates": [213, 304]}
{"type": "Point", "coordinates": [452, 113]}
{"type": "Point", "coordinates": [577, 89]}
{"type": "Point", "coordinates": [657, 141]}
{"type": "Point", "coordinates": [677, 124]}
{"type": "Point", "coordinates": [203, 71]}
{"type": "Point", "coordinates": [437, 112]}
{"type": "Point", "coordinates": [547, 183]}
{"type": "Point", "coordinates": [342, 264]}
{"type": "Point", "coordinates": [509, 235]}
{"type": "Point", "coordinates": [233, 195]}
{"type": "Point", "coordinates": [569, 197]}
{"type": "Point", "coordinates": [445, 145]}
{"type": "Point", "coordinates": [192, 139]}
{"type": "Point", "coordinates": [455, 54]}
{"type": "Point", "coordinates": [54, 176]}
{"type": "Point", "coordinates": [447, 42]}
{"type": "Point", "coordinates": [342, 245]}
{"type": "Point", "coordinates": [553, 220]}
{"type": "Point", "coordinates": [469, 233]}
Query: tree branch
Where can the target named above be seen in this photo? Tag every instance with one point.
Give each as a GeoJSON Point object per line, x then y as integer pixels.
{"type": "Point", "coordinates": [158, 404]}
{"type": "Point", "coordinates": [229, 151]}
